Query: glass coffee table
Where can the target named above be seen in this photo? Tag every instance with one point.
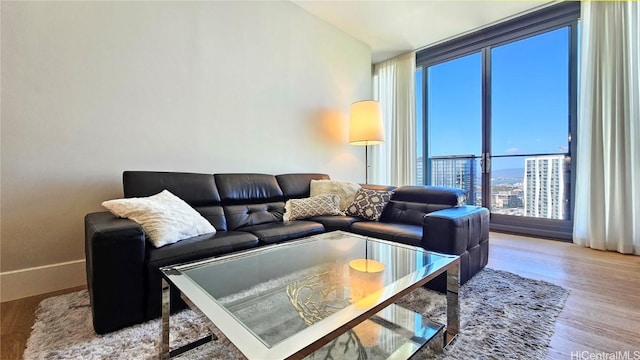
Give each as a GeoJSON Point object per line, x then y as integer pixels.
{"type": "Point", "coordinates": [326, 296]}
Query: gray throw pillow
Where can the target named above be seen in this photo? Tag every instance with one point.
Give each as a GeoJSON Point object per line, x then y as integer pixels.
{"type": "Point", "coordinates": [369, 204]}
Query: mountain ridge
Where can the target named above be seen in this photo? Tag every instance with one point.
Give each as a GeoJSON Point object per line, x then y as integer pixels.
{"type": "Point", "coordinates": [508, 173]}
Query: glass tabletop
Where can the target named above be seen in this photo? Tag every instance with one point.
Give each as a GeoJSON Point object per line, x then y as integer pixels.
{"type": "Point", "coordinates": [322, 282]}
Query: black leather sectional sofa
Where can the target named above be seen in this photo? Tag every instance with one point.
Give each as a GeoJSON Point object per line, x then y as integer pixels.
{"type": "Point", "coordinates": [247, 209]}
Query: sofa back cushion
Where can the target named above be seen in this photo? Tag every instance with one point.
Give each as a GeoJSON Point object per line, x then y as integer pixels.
{"type": "Point", "coordinates": [407, 212]}
{"type": "Point", "coordinates": [378, 187]}
{"type": "Point", "coordinates": [253, 214]}
{"type": "Point", "coordinates": [250, 199]}
{"type": "Point", "coordinates": [194, 189]}
{"type": "Point", "coordinates": [409, 204]}
{"type": "Point", "coordinates": [430, 195]}
{"type": "Point", "coordinates": [215, 215]}
{"type": "Point", "coordinates": [297, 186]}
{"type": "Point", "coordinates": [241, 188]}
{"type": "Point", "coordinates": [197, 190]}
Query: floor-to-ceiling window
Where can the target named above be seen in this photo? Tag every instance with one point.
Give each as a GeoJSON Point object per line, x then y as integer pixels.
{"type": "Point", "coordinates": [496, 113]}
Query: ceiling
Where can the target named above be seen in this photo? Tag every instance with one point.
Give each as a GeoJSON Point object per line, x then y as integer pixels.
{"type": "Point", "coordinates": [392, 28]}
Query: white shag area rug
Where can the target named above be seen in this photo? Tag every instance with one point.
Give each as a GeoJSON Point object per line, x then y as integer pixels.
{"type": "Point", "coordinates": [503, 316]}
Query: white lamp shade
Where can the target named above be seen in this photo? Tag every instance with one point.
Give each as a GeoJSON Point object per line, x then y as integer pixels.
{"type": "Point", "coordinates": [365, 127]}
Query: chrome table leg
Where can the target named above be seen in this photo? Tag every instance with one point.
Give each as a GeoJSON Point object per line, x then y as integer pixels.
{"type": "Point", "coordinates": [453, 304]}
{"type": "Point", "coordinates": [166, 302]}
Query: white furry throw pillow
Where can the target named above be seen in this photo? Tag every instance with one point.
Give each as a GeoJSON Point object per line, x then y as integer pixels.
{"type": "Point", "coordinates": [346, 190]}
{"type": "Point", "coordinates": [164, 217]}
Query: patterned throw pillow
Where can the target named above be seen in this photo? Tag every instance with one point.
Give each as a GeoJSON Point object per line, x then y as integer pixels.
{"type": "Point", "coordinates": [369, 204]}
{"type": "Point", "coordinates": [312, 206]}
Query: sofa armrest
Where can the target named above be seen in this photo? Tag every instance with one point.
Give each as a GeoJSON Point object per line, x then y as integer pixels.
{"type": "Point", "coordinates": [455, 230]}
{"type": "Point", "coordinates": [115, 253]}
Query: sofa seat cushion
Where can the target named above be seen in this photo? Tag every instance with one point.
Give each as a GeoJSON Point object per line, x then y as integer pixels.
{"type": "Point", "coordinates": [195, 248]}
{"type": "Point", "coordinates": [282, 231]}
{"type": "Point", "coordinates": [402, 233]}
{"type": "Point", "coordinates": [200, 247]}
{"type": "Point", "coordinates": [332, 223]}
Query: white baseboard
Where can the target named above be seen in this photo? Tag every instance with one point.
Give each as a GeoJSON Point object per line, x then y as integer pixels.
{"type": "Point", "coordinates": [23, 283]}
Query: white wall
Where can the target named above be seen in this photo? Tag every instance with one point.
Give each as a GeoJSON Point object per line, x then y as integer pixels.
{"type": "Point", "coordinates": [90, 89]}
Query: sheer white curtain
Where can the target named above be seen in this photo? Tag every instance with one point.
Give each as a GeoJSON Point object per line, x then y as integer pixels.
{"type": "Point", "coordinates": [394, 161]}
{"type": "Point", "coordinates": [607, 206]}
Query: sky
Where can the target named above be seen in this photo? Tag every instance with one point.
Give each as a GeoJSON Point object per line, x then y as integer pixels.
{"type": "Point", "coordinates": [529, 101]}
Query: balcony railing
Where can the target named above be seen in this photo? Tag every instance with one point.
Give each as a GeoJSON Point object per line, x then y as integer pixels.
{"type": "Point", "coordinates": [539, 189]}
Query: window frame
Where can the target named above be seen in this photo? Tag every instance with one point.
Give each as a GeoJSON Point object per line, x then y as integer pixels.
{"type": "Point", "coordinates": [565, 14]}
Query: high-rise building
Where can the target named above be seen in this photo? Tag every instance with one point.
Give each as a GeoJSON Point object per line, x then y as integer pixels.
{"type": "Point", "coordinates": [544, 187]}
{"type": "Point", "coordinates": [420, 171]}
{"type": "Point", "coordinates": [455, 171]}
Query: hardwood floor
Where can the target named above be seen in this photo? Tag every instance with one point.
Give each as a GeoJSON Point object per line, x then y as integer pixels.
{"type": "Point", "coordinates": [601, 316]}
{"type": "Point", "coordinates": [16, 318]}
{"type": "Point", "coordinates": [602, 312]}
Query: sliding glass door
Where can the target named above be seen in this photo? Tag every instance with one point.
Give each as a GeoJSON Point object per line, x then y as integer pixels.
{"type": "Point", "coordinates": [529, 152]}
{"type": "Point", "coordinates": [454, 92]}
{"type": "Point", "coordinates": [496, 114]}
